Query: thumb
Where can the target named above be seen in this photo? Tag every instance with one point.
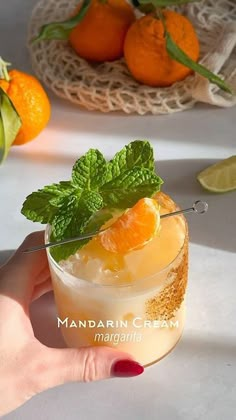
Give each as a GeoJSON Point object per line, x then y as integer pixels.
{"type": "Point", "coordinates": [85, 365]}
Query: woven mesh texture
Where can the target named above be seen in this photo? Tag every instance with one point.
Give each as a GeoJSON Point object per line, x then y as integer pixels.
{"type": "Point", "coordinates": [110, 87]}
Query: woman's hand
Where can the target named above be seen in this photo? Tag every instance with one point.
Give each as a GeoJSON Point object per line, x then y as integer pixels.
{"type": "Point", "coordinates": [28, 367]}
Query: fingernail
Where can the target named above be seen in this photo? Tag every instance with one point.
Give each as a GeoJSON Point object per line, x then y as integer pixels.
{"type": "Point", "coordinates": [126, 369]}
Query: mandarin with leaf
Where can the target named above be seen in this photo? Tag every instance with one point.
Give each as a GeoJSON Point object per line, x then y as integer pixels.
{"type": "Point", "coordinates": [31, 103]}
{"type": "Point", "coordinates": [101, 33]}
{"type": "Point", "coordinates": [145, 48]}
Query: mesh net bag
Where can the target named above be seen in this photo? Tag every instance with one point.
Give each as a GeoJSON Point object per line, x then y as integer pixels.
{"type": "Point", "coordinates": [110, 87]}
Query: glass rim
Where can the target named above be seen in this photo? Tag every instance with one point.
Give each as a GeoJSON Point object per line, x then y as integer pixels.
{"type": "Point", "coordinates": [117, 286]}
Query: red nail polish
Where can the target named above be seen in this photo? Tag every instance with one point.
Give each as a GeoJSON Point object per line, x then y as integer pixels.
{"type": "Point", "coordinates": [126, 368]}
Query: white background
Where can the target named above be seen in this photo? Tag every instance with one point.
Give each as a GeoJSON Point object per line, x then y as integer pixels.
{"type": "Point", "coordinates": [197, 380]}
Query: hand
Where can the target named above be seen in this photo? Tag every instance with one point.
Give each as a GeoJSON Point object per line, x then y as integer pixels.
{"type": "Point", "coordinates": [28, 367]}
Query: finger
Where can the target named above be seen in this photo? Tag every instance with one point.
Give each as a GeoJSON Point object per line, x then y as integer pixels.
{"type": "Point", "coordinates": [33, 239]}
{"type": "Point", "coordinates": [42, 276]}
{"type": "Point", "coordinates": [85, 364]}
{"type": "Point", "coordinates": [42, 289]}
{"type": "Point", "coordinates": [22, 271]}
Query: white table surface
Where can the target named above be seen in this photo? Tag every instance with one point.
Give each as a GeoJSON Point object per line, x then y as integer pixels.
{"type": "Point", "coordinates": [197, 380]}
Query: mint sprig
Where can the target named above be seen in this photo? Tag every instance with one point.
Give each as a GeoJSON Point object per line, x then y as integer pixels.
{"type": "Point", "coordinates": [83, 204]}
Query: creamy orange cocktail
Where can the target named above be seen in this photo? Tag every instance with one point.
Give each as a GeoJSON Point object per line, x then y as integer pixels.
{"type": "Point", "coordinates": [125, 287]}
{"type": "Point", "coordinates": [135, 301]}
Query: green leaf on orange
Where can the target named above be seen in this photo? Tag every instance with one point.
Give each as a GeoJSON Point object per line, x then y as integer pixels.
{"type": "Point", "coordinates": [177, 54]}
{"type": "Point", "coordinates": [10, 124]}
{"type": "Point", "coordinates": [61, 30]}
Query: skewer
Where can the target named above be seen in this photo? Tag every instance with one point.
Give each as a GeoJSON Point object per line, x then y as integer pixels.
{"type": "Point", "coordinates": [199, 207]}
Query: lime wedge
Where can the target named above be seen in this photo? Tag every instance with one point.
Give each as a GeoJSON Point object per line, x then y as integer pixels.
{"type": "Point", "coordinates": [10, 123]}
{"type": "Point", "coordinates": [219, 178]}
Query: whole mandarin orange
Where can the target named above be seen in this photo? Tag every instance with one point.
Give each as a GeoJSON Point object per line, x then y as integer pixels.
{"type": "Point", "coordinates": [100, 35]}
{"type": "Point", "coordinates": [145, 49]}
{"type": "Point", "coordinates": [31, 103]}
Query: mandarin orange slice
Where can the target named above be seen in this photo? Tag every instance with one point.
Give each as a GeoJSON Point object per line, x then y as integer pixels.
{"type": "Point", "coordinates": [137, 226]}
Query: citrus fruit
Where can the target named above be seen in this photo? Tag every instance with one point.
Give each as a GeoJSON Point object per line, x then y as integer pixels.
{"type": "Point", "coordinates": [133, 229]}
{"type": "Point", "coordinates": [145, 48]}
{"type": "Point", "coordinates": [100, 35]}
{"type": "Point", "coordinates": [220, 177]}
{"type": "Point", "coordinates": [31, 103]}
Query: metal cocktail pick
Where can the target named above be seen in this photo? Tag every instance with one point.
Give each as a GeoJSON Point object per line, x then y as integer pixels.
{"type": "Point", "coordinates": [199, 207]}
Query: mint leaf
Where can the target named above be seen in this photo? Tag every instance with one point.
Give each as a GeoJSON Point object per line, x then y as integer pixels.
{"type": "Point", "coordinates": [75, 213]}
{"type": "Point", "coordinates": [41, 206]}
{"type": "Point", "coordinates": [62, 252]}
{"type": "Point", "coordinates": [82, 205]}
{"type": "Point", "coordinates": [137, 153]}
{"type": "Point", "coordinates": [130, 186]}
{"type": "Point", "coordinates": [60, 191]}
{"type": "Point", "coordinates": [65, 219]}
{"type": "Point", "coordinates": [61, 30]}
{"type": "Point", "coordinates": [91, 201]}
{"type": "Point", "coordinates": [90, 170]}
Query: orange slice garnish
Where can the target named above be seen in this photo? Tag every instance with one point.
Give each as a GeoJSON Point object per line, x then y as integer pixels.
{"type": "Point", "coordinates": [137, 226]}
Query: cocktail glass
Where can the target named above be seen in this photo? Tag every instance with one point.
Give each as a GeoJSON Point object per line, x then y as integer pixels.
{"type": "Point", "coordinates": [144, 314]}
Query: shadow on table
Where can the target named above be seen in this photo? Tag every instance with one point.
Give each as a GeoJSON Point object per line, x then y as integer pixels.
{"type": "Point", "coordinates": [216, 228]}
{"type": "Point", "coordinates": [69, 117]}
{"type": "Point", "coordinates": [218, 347]}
